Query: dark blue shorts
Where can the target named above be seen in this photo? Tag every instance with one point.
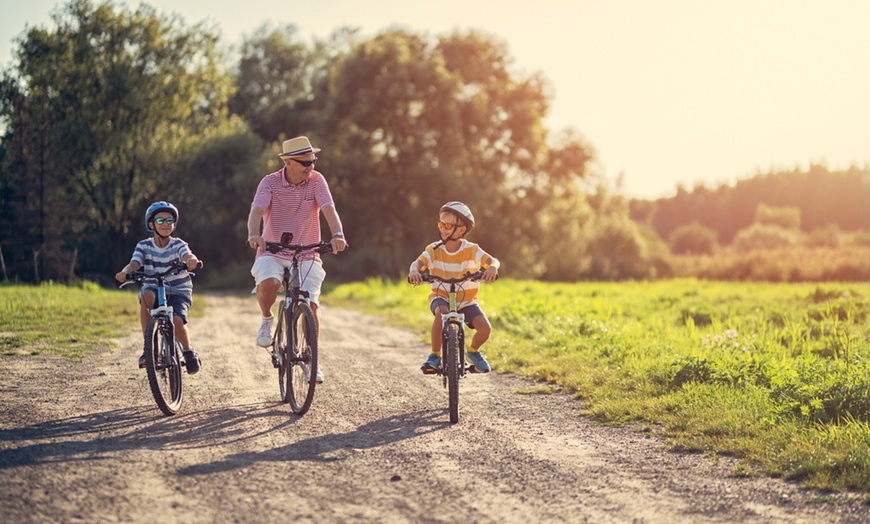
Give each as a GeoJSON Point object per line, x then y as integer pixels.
{"type": "Point", "coordinates": [180, 302]}
{"type": "Point", "coordinates": [471, 312]}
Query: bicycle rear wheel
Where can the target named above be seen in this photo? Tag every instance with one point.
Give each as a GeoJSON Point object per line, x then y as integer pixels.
{"type": "Point", "coordinates": [450, 364]}
{"type": "Point", "coordinates": [162, 362]}
{"type": "Point", "coordinates": [281, 350]}
{"type": "Point", "coordinates": [302, 362]}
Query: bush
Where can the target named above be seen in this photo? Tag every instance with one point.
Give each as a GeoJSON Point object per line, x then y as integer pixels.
{"type": "Point", "coordinates": [827, 236]}
{"type": "Point", "coordinates": [693, 239]}
{"type": "Point", "coordinates": [759, 236]}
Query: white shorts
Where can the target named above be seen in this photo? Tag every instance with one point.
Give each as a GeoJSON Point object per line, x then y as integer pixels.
{"type": "Point", "coordinates": [267, 266]}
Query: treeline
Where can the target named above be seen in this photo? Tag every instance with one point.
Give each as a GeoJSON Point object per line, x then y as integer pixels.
{"type": "Point", "coordinates": [820, 201]}
{"type": "Point", "coordinates": [111, 109]}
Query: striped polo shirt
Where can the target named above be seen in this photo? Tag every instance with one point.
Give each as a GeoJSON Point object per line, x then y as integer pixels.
{"type": "Point", "coordinates": [155, 259]}
{"type": "Point", "coordinates": [444, 264]}
{"type": "Point", "coordinates": [292, 209]}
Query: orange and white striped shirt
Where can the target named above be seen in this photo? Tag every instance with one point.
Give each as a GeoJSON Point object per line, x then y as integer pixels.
{"type": "Point", "coordinates": [444, 264]}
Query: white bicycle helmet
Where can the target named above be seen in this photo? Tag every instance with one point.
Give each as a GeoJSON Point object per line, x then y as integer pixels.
{"type": "Point", "coordinates": [462, 211]}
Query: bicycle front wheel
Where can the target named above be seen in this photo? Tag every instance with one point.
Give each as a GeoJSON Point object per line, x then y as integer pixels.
{"type": "Point", "coordinates": [281, 352]}
{"type": "Point", "coordinates": [162, 362]}
{"type": "Point", "coordinates": [302, 362]}
{"type": "Point", "coordinates": [450, 364]}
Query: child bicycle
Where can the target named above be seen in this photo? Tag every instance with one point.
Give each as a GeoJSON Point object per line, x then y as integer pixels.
{"type": "Point", "coordinates": [453, 365]}
{"type": "Point", "coordinates": [294, 345]}
{"type": "Point", "coordinates": [163, 354]}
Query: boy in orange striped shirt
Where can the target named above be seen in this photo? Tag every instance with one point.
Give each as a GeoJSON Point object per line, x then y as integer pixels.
{"type": "Point", "coordinates": [451, 257]}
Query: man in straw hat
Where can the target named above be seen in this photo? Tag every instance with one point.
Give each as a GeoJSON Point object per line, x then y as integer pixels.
{"type": "Point", "coordinates": [288, 202]}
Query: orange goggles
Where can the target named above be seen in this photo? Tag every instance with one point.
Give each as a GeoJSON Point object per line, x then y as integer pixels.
{"type": "Point", "coordinates": [448, 227]}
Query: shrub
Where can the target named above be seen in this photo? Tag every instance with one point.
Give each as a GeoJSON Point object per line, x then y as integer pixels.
{"type": "Point", "coordinates": [693, 239]}
{"type": "Point", "coordinates": [759, 236]}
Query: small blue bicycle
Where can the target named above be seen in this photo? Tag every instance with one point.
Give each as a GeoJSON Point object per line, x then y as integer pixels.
{"type": "Point", "coordinates": [164, 357]}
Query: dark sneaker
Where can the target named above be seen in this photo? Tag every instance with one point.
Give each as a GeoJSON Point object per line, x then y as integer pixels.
{"type": "Point", "coordinates": [142, 361]}
{"type": "Point", "coordinates": [478, 361]}
{"type": "Point", "coordinates": [192, 362]}
{"type": "Point", "coordinates": [432, 363]}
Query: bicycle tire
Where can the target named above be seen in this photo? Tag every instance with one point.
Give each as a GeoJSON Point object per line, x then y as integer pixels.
{"type": "Point", "coordinates": [451, 364]}
{"type": "Point", "coordinates": [302, 361]}
{"type": "Point", "coordinates": [282, 343]}
{"type": "Point", "coordinates": [163, 365]}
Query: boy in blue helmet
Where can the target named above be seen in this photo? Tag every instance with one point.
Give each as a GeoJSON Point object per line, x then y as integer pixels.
{"type": "Point", "coordinates": [156, 254]}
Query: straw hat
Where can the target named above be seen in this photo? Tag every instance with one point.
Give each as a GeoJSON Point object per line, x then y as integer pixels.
{"type": "Point", "coordinates": [299, 146]}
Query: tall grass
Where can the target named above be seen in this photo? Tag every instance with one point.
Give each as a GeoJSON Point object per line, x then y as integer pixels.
{"type": "Point", "coordinates": [778, 374]}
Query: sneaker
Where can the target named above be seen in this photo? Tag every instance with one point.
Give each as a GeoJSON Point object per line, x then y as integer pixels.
{"type": "Point", "coordinates": [478, 361]}
{"type": "Point", "coordinates": [264, 334]}
{"type": "Point", "coordinates": [192, 362]}
{"type": "Point", "coordinates": [432, 363]}
{"type": "Point", "coordinates": [142, 361]}
{"type": "Point", "coordinates": [318, 379]}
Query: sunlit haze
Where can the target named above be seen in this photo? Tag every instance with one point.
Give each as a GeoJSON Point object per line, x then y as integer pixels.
{"type": "Point", "coordinates": [668, 92]}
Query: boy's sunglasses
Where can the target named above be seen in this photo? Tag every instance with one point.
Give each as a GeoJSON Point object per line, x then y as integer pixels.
{"type": "Point", "coordinates": [448, 227]}
{"type": "Point", "coordinates": [160, 221]}
{"type": "Point", "coordinates": [305, 163]}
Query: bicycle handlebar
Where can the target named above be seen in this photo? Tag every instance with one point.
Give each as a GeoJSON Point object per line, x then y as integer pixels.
{"type": "Point", "coordinates": [138, 276]}
{"type": "Point", "coordinates": [474, 277]}
{"type": "Point", "coordinates": [277, 247]}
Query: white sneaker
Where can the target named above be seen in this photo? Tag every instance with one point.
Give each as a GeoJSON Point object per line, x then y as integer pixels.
{"type": "Point", "coordinates": [319, 378]}
{"type": "Point", "coordinates": [264, 334]}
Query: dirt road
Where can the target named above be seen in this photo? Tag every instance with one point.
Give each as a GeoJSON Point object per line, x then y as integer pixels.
{"type": "Point", "coordinates": [84, 442]}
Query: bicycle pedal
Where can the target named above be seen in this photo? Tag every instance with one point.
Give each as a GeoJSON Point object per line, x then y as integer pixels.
{"type": "Point", "coordinates": [430, 371]}
{"type": "Point", "coordinates": [472, 369]}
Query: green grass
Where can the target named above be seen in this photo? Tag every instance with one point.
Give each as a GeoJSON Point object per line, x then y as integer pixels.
{"type": "Point", "coordinates": [63, 320]}
{"type": "Point", "coordinates": [778, 374]}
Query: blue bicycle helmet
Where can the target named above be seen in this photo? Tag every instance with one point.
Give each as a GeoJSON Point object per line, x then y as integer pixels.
{"type": "Point", "coordinates": [157, 207]}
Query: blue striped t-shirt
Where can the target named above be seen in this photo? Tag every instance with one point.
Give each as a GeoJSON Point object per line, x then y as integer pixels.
{"type": "Point", "coordinates": [156, 259]}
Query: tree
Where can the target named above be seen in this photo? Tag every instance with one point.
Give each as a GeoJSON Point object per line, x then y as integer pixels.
{"type": "Point", "coordinates": [100, 110]}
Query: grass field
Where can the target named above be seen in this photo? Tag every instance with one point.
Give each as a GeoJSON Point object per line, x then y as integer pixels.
{"type": "Point", "coordinates": [63, 320]}
{"type": "Point", "coordinates": [778, 374]}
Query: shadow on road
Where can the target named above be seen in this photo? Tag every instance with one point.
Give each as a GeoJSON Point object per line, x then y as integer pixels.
{"type": "Point", "coordinates": [97, 436]}
{"type": "Point", "coordinates": [325, 447]}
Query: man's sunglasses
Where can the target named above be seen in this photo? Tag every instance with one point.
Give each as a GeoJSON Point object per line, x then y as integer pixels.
{"type": "Point", "coordinates": [160, 221]}
{"type": "Point", "coordinates": [305, 163]}
{"type": "Point", "coordinates": [448, 227]}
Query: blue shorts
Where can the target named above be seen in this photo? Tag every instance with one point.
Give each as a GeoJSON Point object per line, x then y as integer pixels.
{"type": "Point", "coordinates": [180, 302]}
{"type": "Point", "coordinates": [471, 311]}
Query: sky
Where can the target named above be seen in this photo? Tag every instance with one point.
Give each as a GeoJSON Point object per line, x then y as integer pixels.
{"type": "Point", "coordinates": [668, 92]}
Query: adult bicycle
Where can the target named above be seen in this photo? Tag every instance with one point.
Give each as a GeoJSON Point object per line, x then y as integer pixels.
{"type": "Point", "coordinates": [453, 366]}
{"type": "Point", "coordinates": [164, 356]}
{"type": "Point", "coordinates": [294, 345]}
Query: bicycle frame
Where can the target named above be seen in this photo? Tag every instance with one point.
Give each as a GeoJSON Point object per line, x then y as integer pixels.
{"type": "Point", "coordinates": [453, 317]}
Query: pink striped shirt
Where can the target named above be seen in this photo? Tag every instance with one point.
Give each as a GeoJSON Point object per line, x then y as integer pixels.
{"type": "Point", "coordinates": [292, 208]}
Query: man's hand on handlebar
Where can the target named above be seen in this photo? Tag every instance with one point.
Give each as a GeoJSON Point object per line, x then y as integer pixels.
{"type": "Point", "coordinates": [338, 244]}
{"type": "Point", "coordinates": [257, 242]}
